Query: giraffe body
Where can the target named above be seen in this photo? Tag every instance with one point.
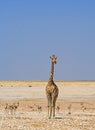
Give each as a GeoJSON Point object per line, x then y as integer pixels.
{"type": "Point", "coordinates": [52, 90]}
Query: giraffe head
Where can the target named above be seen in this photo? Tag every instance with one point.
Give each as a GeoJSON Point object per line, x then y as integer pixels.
{"type": "Point", "coordinates": [53, 58]}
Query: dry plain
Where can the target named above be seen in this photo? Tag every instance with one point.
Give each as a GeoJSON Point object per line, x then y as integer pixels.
{"type": "Point", "coordinates": [75, 107]}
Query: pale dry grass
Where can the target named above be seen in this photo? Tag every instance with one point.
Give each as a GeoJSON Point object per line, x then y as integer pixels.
{"type": "Point", "coordinates": [42, 82]}
{"type": "Point", "coordinates": [73, 97]}
{"type": "Point", "coordinates": [26, 119]}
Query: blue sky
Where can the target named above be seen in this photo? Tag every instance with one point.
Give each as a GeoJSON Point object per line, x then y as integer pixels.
{"type": "Point", "coordinates": [33, 30]}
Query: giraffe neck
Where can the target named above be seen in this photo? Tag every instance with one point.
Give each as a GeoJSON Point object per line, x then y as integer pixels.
{"type": "Point", "coordinates": [51, 73]}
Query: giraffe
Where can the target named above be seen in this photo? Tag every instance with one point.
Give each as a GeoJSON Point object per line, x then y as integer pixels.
{"type": "Point", "coordinates": [52, 89]}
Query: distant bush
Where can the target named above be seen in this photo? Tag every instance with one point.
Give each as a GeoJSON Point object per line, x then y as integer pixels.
{"type": "Point", "coordinates": [30, 86]}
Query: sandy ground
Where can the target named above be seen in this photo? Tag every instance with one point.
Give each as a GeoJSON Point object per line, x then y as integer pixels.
{"type": "Point", "coordinates": [76, 102]}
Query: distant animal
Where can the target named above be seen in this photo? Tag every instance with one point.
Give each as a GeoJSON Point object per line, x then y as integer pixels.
{"type": "Point", "coordinates": [83, 108]}
{"type": "Point", "coordinates": [39, 108]}
{"type": "Point", "coordinates": [58, 108]}
{"type": "Point", "coordinates": [69, 109]}
{"type": "Point", "coordinates": [11, 108]}
{"type": "Point", "coordinates": [32, 107]}
{"type": "Point", "coordinates": [15, 106]}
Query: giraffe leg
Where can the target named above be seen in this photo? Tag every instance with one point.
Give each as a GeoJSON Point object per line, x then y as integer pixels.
{"type": "Point", "coordinates": [54, 102]}
{"type": "Point", "coordinates": [53, 109]}
{"type": "Point", "coordinates": [50, 108]}
{"type": "Point", "coordinates": [48, 103]}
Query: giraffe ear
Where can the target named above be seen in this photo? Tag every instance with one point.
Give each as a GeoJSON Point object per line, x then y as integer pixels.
{"type": "Point", "coordinates": [50, 57]}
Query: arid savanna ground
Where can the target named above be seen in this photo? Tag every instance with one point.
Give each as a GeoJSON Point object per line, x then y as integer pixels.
{"type": "Point", "coordinates": [75, 106]}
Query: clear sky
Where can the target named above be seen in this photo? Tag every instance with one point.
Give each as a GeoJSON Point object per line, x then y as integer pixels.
{"type": "Point", "coordinates": [33, 30]}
